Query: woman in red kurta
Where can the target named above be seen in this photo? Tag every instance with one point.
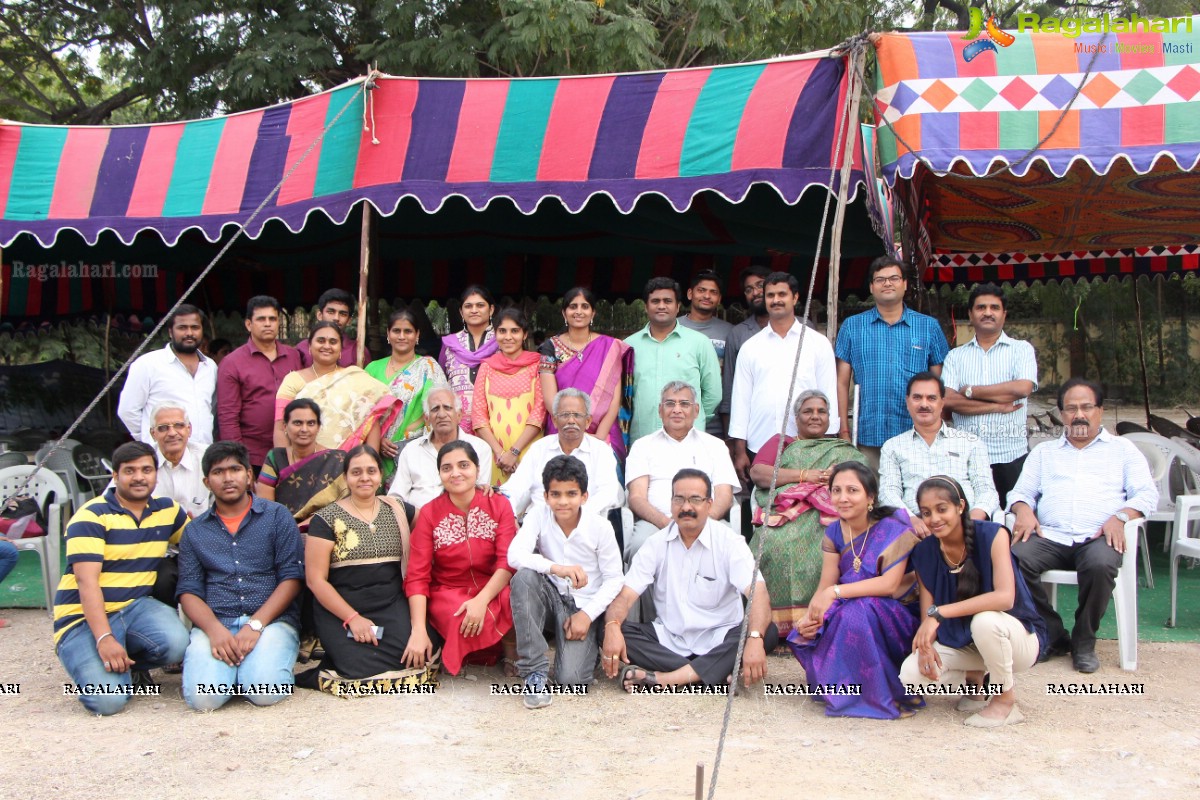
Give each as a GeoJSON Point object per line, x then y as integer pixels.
{"type": "Point", "coordinates": [458, 569]}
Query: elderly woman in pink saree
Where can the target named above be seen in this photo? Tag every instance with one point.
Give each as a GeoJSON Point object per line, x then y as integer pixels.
{"type": "Point", "coordinates": [579, 358]}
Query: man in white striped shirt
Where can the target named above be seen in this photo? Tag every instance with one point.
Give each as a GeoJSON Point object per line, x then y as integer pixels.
{"type": "Point", "coordinates": [1076, 493]}
{"type": "Point", "coordinates": [988, 381]}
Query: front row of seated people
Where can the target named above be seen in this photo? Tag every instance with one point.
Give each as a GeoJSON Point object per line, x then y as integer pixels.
{"type": "Point", "coordinates": [892, 609]}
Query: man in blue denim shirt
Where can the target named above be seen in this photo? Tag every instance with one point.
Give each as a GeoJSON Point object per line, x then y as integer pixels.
{"type": "Point", "coordinates": [240, 570]}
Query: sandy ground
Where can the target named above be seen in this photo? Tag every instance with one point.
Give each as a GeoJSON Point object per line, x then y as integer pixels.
{"type": "Point", "coordinates": [465, 743]}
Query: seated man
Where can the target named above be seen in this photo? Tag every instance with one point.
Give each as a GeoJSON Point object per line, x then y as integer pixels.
{"type": "Point", "coordinates": [934, 448]}
{"type": "Point", "coordinates": [700, 570]}
{"type": "Point", "coordinates": [656, 457]}
{"type": "Point", "coordinates": [572, 413]}
{"type": "Point", "coordinates": [1076, 493]}
{"type": "Point", "coordinates": [179, 458]}
{"type": "Point", "coordinates": [417, 481]}
{"type": "Point", "coordinates": [570, 580]}
{"type": "Point", "coordinates": [240, 570]}
{"type": "Point", "coordinates": [105, 621]}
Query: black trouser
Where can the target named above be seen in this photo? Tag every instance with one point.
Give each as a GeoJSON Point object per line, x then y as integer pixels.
{"type": "Point", "coordinates": [714, 667]}
{"type": "Point", "coordinates": [1096, 562]}
{"type": "Point", "coordinates": [1005, 477]}
{"type": "Point", "coordinates": [166, 580]}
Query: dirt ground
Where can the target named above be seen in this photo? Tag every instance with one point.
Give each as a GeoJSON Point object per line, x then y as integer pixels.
{"type": "Point", "coordinates": [464, 743]}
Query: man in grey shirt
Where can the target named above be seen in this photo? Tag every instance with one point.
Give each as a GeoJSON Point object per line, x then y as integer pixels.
{"type": "Point", "coordinates": [704, 297]}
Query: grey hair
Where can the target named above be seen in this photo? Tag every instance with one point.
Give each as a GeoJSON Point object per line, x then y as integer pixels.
{"type": "Point", "coordinates": [440, 387]}
{"type": "Point", "coordinates": [169, 406]}
{"type": "Point", "coordinates": [571, 392]}
{"type": "Point", "coordinates": [806, 395]}
{"type": "Point", "coordinates": [678, 386]}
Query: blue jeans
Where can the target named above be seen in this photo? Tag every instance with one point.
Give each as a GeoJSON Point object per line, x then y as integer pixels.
{"type": "Point", "coordinates": [151, 634]}
{"type": "Point", "coordinates": [8, 558]}
{"type": "Point", "coordinates": [264, 676]}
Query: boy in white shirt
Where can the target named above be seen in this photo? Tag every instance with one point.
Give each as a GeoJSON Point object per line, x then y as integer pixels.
{"type": "Point", "coordinates": [571, 578]}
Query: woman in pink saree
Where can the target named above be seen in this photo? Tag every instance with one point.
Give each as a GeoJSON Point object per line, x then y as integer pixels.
{"type": "Point", "coordinates": [580, 358]}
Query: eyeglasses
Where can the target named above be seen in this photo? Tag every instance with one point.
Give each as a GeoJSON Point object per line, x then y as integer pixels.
{"type": "Point", "coordinates": [304, 423]}
{"type": "Point", "coordinates": [886, 279]}
{"type": "Point", "coordinates": [571, 416]}
{"type": "Point", "coordinates": [172, 426]}
{"type": "Point", "coordinates": [693, 500]}
{"type": "Point", "coordinates": [683, 404]}
{"type": "Point", "coordinates": [1086, 408]}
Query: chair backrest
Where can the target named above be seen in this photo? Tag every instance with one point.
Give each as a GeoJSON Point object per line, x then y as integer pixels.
{"type": "Point", "coordinates": [1155, 454]}
{"type": "Point", "coordinates": [44, 482]}
{"type": "Point", "coordinates": [1186, 508]}
{"type": "Point", "coordinates": [13, 460]}
{"type": "Point", "coordinates": [1176, 476]}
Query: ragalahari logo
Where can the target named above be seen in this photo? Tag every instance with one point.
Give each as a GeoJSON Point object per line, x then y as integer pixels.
{"type": "Point", "coordinates": [994, 36]}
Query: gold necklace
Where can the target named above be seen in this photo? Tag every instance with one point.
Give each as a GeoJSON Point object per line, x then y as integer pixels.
{"type": "Point", "coordinates": [361, 515]}
{"type": "Point", "coordinates": [954, 568]}
{"type": "Point", "coordinates": [860, 553]}
{"type": "Point", "coordinates": [322, 374]}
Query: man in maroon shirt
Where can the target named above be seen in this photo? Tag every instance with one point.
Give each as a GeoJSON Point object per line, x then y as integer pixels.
{"type": "Point", "coordinates": [249, 377]}
{"type": "Point", "coordinates": [336, 305]}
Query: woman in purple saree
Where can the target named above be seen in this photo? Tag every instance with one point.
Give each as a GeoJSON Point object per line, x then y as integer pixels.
{"type": "Point", "coordinates": [861, 622]}
{"type": "Point", "coordinates": [579, 358]}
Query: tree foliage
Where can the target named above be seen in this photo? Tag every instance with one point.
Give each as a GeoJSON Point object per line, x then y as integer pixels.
{"type": "Point", "coordinates": [98, 61]}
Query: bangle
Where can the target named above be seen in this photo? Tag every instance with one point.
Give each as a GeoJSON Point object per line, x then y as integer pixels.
{"type": "Point", "coordinates": [612, 622]}
{"type": "Point", "coordinates": [837, 591]}
{"type": "Point", "coordinates": [101, 639]}
{"type": "Point", "coordinates": [349, 619]}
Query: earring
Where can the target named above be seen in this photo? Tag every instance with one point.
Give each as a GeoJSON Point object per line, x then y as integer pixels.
{"type": "Point", "coordinates": [870, 507]}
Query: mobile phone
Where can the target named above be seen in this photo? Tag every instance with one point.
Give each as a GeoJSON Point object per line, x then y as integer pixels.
{"type": "Point", "coordinates": [375, 629]}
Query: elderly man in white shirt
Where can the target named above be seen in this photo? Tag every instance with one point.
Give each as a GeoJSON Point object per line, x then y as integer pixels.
{"type": "Point", "coordinates": [934, 448]}
{"type": "Point", "coordinates": [1076, 494]}
{"type": "Point", "coordinates": [700, 571]}
{"type": "Point", "coordinates": [417, 480]}
{"type": "Point", "coordinates": [655, 458]}
{"type": "Point", "coordinates": [572, 413]}
{"type": "Point", "coordinates": [179, 474]}
{"type": "Point", "coordinates": [764, 372]}
{"type": "Point", "coordinates": [179, 373]}
{"type": "Point", "coordinates": [567, 570]}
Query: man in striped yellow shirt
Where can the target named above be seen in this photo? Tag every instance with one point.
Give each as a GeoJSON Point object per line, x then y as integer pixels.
{"type": "Point", "coordinates": [105, 621]}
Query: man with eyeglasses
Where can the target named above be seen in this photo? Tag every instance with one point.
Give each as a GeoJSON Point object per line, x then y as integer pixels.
{"type": "Point", "coordinates": [179, 458]}
{"type": "Point", "coordinates": [572, 413]}
{"type": "Point", "coordinates": [881, 349]}
{"type": "Point", "coordinates": [700, 571]}
{"type": "Point", "coordinates": [654, 460]}
{"type": "Point", "coordinates": [417, 480]}
{"type": "Point", "coordinates": [1072, 501]}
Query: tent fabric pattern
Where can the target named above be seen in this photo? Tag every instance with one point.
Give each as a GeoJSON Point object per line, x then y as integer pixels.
{"type": "Point", "coordinates": [970, 268]}
{"type": "Point", "coordinates": [672, 133]}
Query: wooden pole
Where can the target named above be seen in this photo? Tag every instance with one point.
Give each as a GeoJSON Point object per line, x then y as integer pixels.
{"type": "Point", "coordinates": [854, 91]}
{"type": "Point", "coordinates": [1141, 336]}
{"type": "Point", "coordinates": [364, 269]}
{"type": "Point", "coordinates": [1, 279]}
{"type": "Point", "coordinates": [699, 780]}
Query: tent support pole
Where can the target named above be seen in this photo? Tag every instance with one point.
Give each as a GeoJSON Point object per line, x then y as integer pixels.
{"type": "Point", "coordinates": [364, 270]}
{"type": "Point", "coordinates": [1, 277]}
{"type": "Point", "coordinates": [854, 91]}
{"type": "Point", "coordinates": [1141, 337]}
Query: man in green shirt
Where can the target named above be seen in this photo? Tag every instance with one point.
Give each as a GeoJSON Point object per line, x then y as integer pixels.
{"type": "Point", "coordinates": [666, 351]}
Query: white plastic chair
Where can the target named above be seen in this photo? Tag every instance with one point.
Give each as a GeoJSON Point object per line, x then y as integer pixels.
{"type": "Point", "coordinates": [48, 547]}
{"type": "Point", "coordinates": [1169, 469]}
{"type": "Point", "coordinates": [1184, 545]}
{"type": "Point", "coordinates": [62, 463]}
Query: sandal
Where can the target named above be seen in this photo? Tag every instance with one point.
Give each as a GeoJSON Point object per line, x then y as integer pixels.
{"type": "Point", "coordinates": [628, 682]}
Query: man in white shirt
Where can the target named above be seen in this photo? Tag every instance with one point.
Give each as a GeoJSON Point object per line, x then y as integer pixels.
{"type": "Point", "coordinates": [933, 448]}
{"type": "Point", "coordinates": [417, 480]}
{"type": "Point", "coordinates": [700, 570]}
{"type": "Point", "coordinates": [179, 474]}
{"type": "Point", "coordinates": [655, 458]}
{"type": "Point", "coordinates": [1076, 493]}
{"type": "Point", "coordinates": [764, 371]}
{"type": "Point", "coordinates": [572, 413]}
{"type": "Point", "coordinates": [567, 568]}
{"type": "Point", "coordinates": [178, 373]}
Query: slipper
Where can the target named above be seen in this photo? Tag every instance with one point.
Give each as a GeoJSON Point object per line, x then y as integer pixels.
{"type": "Point", "coordinates": [971, 703]}
{"type": "Point", "coordinates": [1014, 717]}
{"type": "Point", "coordinates": [628, 681]}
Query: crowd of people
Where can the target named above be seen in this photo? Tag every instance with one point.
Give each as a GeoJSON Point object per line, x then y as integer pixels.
{"type": "Point", "coordinates": [404, 518]}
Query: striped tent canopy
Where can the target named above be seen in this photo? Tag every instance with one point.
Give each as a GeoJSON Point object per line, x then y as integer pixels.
{"type": "Point", "coordinates": [1048, 156]}
{"type": "Point", "coordinates": [673, 134]}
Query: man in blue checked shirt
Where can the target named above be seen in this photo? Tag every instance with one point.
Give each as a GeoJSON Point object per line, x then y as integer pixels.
{"type": "Point", "coordinates": [240, 570]}
{"type": "Point", "coordinates": [880, 350]}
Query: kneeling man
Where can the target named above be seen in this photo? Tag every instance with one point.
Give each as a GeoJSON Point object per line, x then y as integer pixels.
{"type": "Point", "coordinates": [240, 569]}
{"type": "Point", "coordinates": [700, 570]}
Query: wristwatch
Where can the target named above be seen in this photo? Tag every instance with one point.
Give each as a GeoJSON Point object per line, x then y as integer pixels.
{"type": "Point", "coordinates": [754, 635]}
{"type": "Point", "coordinates": [933, 612]}
{"type": "Point", "coordinates": [1121, 515]}
{"type": "Point", "coordinates": [255, 625]}
{"type": "Point", "coordinates": [968, 391]}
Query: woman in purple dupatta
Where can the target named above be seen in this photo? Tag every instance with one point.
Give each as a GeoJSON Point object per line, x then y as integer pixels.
{"type": "Point", "coordinates": [601, 366]}
{"type": "Point", "coordinates": [861, 622]}
{"type": "Point", "coordinates": [463, 352]}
